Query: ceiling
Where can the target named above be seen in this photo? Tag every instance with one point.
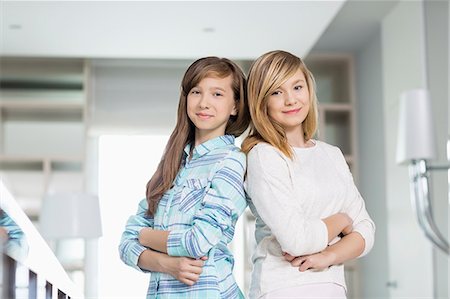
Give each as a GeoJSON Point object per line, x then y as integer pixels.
{"type": "Point", "coordinates": [356, 23]}
{"type": "Point", "coordinates": [162, 30]}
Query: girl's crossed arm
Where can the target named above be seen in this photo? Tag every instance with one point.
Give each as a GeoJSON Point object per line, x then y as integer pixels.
{"type": "Point", "coordinates": [353, 245]}
{"type": "Point", "coordinates": [270, 189]}
{"type": "Point", "coordinates": [134, 254]}
{"type": "Point", "coordinates": [223, 204]}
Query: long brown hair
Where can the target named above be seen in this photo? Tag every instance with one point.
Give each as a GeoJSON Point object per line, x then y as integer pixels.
{"type": "Point", "coordinates": [266, 74]}
{"type": "Point", "coordinates": [184, 132]}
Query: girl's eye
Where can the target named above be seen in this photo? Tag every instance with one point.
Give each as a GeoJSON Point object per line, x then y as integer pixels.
{"type": "Point", "coordinates": [217, 94]}
{"type": "Point", "coordinates": [276, 93]}
{"type": "Point", "coordinates": [195, 91]}
{"type": "Point", "coordinates": [298, 87]}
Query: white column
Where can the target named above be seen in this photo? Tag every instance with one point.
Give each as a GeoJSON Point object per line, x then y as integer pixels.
{"type": "Point", "coordinates": [91, 261]}
{"type": "Point", "coordinates": [91, 268]}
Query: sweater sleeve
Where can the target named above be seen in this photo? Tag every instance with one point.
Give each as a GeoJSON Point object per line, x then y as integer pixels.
{"type": "Point", "coordinates": [270, 189]}
{"type": "Point", "coordinates": [129, 248]}
{"type": "Point", "coordinates": [355, 207]}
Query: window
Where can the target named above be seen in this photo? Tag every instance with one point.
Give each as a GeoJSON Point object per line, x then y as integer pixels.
{"type": "Point", "coordinates": [126, 163]}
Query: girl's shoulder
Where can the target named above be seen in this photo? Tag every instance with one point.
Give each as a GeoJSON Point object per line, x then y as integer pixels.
{"type": "Point", "coordinates": [230, 149]}
{"type": "Point", "coordinates": [333, 153]}
{"type": "Point", "coordinates": [230, 152]}
{"type": "Point", "coordinates": [263, 146]}
{"type": "Point", "coordinates": [329, 148]}
{"type": "Point", "coordinates": [266, 151]}
{"type": "Point", "coordinates": [236, 153]}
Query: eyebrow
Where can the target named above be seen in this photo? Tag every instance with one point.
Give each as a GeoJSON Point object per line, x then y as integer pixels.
{"type": "Point", "coordinates": [296, 82]}
{"type": "Point", "coordinates": [217, 87]}
{"type": "Point", "coordinates": [299, 80]}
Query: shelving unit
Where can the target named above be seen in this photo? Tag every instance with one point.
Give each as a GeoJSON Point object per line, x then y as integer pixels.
{"type": "Point", "coordinates": [42, 107]}
{"type": "Point", "coordinates": [335, 92]}
{"type": "Point", "coordinates": [42, 133]}
{"type": "Point", "coordinates": [334, 76]}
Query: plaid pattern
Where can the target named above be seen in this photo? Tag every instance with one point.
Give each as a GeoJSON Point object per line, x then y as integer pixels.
{"type": "Point", "coordinates": [200, 211]}
{"type": "Point", "coordinates": [16, 246]}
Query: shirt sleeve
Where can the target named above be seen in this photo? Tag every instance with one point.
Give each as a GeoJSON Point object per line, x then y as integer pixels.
{"type": "Point", "coordinates": [129, 248]}
{"type": "Point", "coordinates": [16, 245]}
{"type": "Point", "coordinates": [270, 188]}
{"type": "Point", "coordinates": [13, 230]}
{"type": "Point", "coordinates": [355, 208]}
{"type": "Point", "coordinates": [222, 205]}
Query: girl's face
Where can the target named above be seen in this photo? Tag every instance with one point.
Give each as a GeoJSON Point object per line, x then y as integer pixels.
{"type": "Point", "coordinates": [289, 103]}
{"type": "Point", "coordinates": [209, 106]}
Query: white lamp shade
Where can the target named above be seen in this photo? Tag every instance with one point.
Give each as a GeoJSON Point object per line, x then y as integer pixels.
{"type": "Point", "coordinates": [416, 140]}
{"type": "Point", "coordinates": [70, 215]}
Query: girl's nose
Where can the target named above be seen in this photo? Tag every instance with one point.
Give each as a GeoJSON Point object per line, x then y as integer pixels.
{"type": "Point", "coordinates": [204, 102]}
{"type": "Point", "coordinates": [289, 99]}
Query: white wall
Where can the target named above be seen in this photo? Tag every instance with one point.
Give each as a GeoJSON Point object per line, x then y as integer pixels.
{"type": "Point", "coordinates": [437, 26]}
{"type": "Point", "coordinates": [391, 61]}
{"type": "Point", "coordinates": [126, 163]}
{"type": "Point", "coordinates": [410, 254]}
{"type": "Point", "coordinates": [372, 184]}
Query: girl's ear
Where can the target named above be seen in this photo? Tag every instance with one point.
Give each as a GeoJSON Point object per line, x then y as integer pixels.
{"type": "Point", "coordinates": [234, 111]}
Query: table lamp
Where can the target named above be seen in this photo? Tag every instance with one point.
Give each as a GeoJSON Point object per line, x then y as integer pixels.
{"type": "Point", "coordinates": [75, 215]}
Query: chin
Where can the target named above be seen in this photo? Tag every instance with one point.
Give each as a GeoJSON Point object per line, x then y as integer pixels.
{"type": "Point", "coordinates": [292, 124]}
{"type": "Point", "coordinates": [204, 127]}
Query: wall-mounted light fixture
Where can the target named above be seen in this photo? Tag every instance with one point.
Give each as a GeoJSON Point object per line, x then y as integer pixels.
{"type": "Point", "coordinates": [416, 145]}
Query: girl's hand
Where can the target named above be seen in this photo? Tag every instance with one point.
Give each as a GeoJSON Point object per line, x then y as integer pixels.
{"type": "Point", "coordinates": [184, 269]}
{"type": "Point", "coordinates": [318, 261]}
{"type": "Point", "coordinates": [288, 257]}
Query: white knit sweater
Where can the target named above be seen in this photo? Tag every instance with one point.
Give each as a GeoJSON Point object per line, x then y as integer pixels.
{"type": "Point", "coordinates": [289, 198]}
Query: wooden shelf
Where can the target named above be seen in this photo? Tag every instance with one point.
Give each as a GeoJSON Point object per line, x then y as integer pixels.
{"type": "Point", "coordinates": [27, 162]}
{"type": "Point", "coordinates": [12, 158]}
{"type": "Point", "coordinates": [41, 105]}
{"type": "Point", "coordinates": [332, 75]}
{"type": "Point", "coordinates": [335, 107]}
{"type": "Point", "coordinates": [42, 110]}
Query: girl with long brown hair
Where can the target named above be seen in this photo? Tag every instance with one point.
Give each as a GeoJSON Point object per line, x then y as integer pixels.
{"type": "Point", "coordinates": [300, 189]}
{"type": "Point", "coordinates": [181, 230]}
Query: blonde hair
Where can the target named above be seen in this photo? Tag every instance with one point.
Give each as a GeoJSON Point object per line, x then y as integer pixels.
{"type": "Point", "coordinates": [266, 74]}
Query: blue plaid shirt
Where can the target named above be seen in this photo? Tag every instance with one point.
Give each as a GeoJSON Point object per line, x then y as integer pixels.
{"type": "Point", "coordinates": [200, 211]}
{"type": "Point", "coordinates": [16, 246]}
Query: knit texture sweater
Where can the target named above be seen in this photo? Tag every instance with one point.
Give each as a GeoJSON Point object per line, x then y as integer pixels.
{"type": "Point", "coordinates": [289, 198]}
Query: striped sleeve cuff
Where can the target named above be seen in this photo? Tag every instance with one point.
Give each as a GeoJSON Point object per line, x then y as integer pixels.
{"type": "Point", "coordinates": [175, 246]}
{"type": "Point", "coordinates": [134, 250]}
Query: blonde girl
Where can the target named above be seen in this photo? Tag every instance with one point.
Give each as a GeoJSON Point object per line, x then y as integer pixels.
{"type": "Point", "coordinates": [300, 189]}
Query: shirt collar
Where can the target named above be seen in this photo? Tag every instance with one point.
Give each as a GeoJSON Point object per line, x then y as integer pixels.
{"type": "Point", "coordinates": [208, 146]}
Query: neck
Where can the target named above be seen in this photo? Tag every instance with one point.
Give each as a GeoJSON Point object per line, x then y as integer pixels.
{"type": "Point", "coordinates": [202, 136]}
{"type": "Point", "coordinates": [295, 136]}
